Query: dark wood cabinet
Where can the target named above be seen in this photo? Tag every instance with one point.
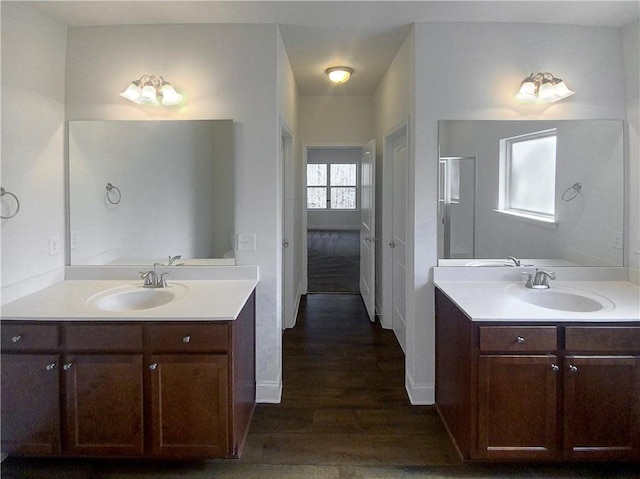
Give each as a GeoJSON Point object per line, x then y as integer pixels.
{"type": "Point", "coordinates": [30, 404]}
{"type": "Point", "coordinates": [549, 392]}
{"type": "Point", "coordinates": [175, 389]}
{"type": "Point", "coordinates": [104, 407]}
{"type": "Point", "coordinates": [189, 405]}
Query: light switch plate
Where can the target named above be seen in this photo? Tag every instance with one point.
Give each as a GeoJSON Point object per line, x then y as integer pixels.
{"type": "Point", "coordinates": [246, 242]}
{"type": "Point", "coordinates": [55, 245]}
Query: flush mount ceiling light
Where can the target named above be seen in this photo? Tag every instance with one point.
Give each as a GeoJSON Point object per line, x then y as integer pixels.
{"type": "Point", "coordinates": [148, 88]}
{"type": "Point", "coordinates": [542, 88]}
{"type": "Point", "coordinates": [339, 74]}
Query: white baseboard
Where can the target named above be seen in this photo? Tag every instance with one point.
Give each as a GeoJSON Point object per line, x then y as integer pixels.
{"type": "Point", "coordinates": [420, 394]}
{"type": "Point", "coordinates": [269, 392]}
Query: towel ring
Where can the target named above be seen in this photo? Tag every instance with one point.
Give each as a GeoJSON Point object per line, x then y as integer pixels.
{"type": "Point", "coordinates": [4, 192]}
{"type": "Point", "coordinates": [111, 188]}
{"type": "Point", "coordinates": [571, 192]}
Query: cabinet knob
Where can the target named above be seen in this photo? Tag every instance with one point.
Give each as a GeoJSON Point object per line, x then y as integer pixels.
{"type": "Point", "coordinates": [186, 339]}
{"type": "Point", "coordinates": [555, 367]}
{"type": "Point", "coordinates": [520, 340]}
{"type": "Point", "coordinates": [50, 367]}
{"type": "Point", "coordinates": [573, 368]}
{"type": "Point", "coordinates": [66, 366]}
{"type": "Point", "coordinates": [16, 338]}
{"type": "Point", "coordinates": [153, 366]}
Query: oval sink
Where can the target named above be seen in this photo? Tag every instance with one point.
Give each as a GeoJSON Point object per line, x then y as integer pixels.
{"type": "Point", "coordinates": [564, 299]}
{"type": "Point", "coordinates": [136, 298]}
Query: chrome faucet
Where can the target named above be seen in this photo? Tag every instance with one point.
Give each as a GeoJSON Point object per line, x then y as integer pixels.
{"type": "Point", "coordinates": [540, 280]}
{"type": "Point", "coordinates": [152, 280]}
{"type": "Point", "coordinates": [173, 259]}
{"type": "Point", "coordinates": [516, 261]}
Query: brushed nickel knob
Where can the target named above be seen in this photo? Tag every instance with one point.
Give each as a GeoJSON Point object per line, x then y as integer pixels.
{"type": "Point", "coordinates": [573, 368]}
{"type": "Point", "coordinates": [153, 366]}
{"type": "Point", "coordinates": [555, 367]}
{"type": "Point", "coordinates": [50, 367]}
{"type": "Point", "coordinates": [67, 366]}
{"type": "Point", "coordinates": [16, 338]}
{"type": "Point", "coordinates": [186, 339]}
{"type": "Point", "coordinates": [520, 340]}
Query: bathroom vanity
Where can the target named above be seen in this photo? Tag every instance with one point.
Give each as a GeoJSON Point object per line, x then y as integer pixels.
{"type": "Point", "coordinates": [175, 381]}
{"type": "Point", "coordinates": [516, 381]}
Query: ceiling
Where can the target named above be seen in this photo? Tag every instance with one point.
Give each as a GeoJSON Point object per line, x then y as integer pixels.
{"type": "Point", "coordinates": [364, 35]}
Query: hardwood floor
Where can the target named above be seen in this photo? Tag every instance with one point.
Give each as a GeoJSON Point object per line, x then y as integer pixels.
{"type": "Point", "coordinates": [344, 415]}
{"type": "Point", "coordinates": [333, 261]}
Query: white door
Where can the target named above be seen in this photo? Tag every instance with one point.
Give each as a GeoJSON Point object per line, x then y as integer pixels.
{"type": "Point", "coordinates": [367, 228]}
{"type": "Point", "coordinates": [288, 237]}
{"type": "Point", "coordinates": [398, 243]}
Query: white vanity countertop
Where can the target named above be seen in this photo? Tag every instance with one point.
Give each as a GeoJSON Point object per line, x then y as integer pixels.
{"type": "Point", "coordinates": [498, 300]}
{"type": "Point", "coordinates": [206, 300]}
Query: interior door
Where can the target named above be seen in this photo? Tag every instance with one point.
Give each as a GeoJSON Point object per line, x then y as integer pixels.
{"type": "Point", "coordinates": [398, 243]}
{"type": "Point", "coordinates": [367, 228]}
{"type": "Point", "coordinates": [288, 236]}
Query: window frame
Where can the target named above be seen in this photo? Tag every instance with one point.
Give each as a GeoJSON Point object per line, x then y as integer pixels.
{"type": "Point", "coordinates": [328, 186]}
{"type": "Point", "coordinates": [505, 187]}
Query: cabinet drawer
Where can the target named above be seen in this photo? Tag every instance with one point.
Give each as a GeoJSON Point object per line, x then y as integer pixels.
{"type": "Point", "coordinates": [603, 339]}
{"type": "Point", "coordinates": [29, 337]}
{"type": "Point", "coordinates": [188, 337]}
{"type": "Point", "coordinates": [518, 338]}
{"type": "Point", "coordinates": [104, 337]}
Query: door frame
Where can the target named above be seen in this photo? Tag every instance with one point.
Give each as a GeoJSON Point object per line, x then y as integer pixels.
{"type": "Point", "coordinates": [305, 251]}
{"type": "Point", "coordinates": [386, 273]}
{"type": "Point", "coordinates": [288, 273]}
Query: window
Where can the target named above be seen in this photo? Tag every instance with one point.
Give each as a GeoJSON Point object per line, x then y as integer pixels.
{"type": "Point", "coordinates": [331, 186]}
{"type": "Point", "coordinates": [528, 176]}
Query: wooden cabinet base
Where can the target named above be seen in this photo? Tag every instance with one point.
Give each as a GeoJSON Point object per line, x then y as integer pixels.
{"type": "Point", "coordinates": [179, 390]}
{"type": "Point", "coordinates": [538, 392]}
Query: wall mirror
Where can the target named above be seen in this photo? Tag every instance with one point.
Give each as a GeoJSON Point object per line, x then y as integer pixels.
{"type": "Point", "coordinates": [142, 191]}
{"type": "Point", "coordinates": [545, 192]}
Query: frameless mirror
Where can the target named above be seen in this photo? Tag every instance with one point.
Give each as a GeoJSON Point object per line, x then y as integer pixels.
{"type": "Point", "coordinates": [544, 192]}
{"type": "Point", "coordinates": [142, 191]}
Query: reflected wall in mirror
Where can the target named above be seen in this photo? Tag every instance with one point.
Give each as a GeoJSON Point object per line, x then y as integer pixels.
{"type": "Point", "coordinates": [173, 192]}
{"type": "Point", "coordinates": [506, 190]}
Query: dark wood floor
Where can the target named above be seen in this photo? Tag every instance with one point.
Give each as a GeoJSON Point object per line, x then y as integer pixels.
{"type": "Point", "coordinates": [333, 261]}
{"type": "Point", "coordinates": [344, 415]}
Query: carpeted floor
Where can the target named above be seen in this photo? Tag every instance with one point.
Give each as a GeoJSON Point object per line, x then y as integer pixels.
{"type": "Point", "coordinates": [333, 261]}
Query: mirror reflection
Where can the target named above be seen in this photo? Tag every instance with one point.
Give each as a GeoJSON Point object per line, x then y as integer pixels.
{"type": "Point", "coordinates": [543, 192]}
{"type": "Point", "coordinates": [141, 192]}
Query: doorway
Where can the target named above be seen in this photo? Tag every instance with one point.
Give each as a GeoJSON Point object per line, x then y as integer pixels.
{"type": "Point", "coordinates": [333, 218]}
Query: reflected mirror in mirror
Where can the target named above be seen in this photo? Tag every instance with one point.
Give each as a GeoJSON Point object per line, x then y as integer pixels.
{"type": "Point", "coordinates": [549, 193]}
{"type": "Point", "coordinates": [142, 191]}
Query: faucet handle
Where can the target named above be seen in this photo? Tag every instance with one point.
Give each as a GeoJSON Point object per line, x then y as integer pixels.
{"type": "Point", "coordinates": [162, 281]}
{"type": "Point", "coordinates": [529, 276]}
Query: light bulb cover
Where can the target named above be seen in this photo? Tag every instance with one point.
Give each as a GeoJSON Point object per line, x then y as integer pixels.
{"type": "Point", "coordinates": [542, 88]}
{"type": "Point", "coordinates": [148, 88]}
{"type": "Point", "coordinates": [170, 96]}
{"type": "Point", "coordinates": [339, 75]}
{"type": "Point", "coordinates": [133, 92]}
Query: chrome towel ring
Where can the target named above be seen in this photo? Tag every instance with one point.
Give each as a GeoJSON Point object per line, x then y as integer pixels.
{"type": "Point", "coordinates": [571, 192]}
{"type": "Point", "coordinates": [4, 192]}
{"type": "Point", "coordinates": [112, 188]}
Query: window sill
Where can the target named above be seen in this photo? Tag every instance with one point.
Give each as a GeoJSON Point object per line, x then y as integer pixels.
{"type": "Point", "coordinates": [532, 219]}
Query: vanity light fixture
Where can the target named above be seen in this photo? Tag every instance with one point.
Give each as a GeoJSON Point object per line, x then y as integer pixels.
{"type": "Point", "coordinates": [339, 75]}
{"type": "Point", "coordinates": [147, 89]}
{"type": "Point", "coordinates": [542, 88]}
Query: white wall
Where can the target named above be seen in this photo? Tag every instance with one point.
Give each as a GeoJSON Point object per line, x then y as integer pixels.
{"type": "Point", "coordinates": [631, 40]}
{"type": "Point", "coordinates": [481, 66]}
{"type": "Point", "coordinates": [226, 72]}
{"type": "Point", "coordinates": [336, 120]}
{"type": "Point", "coordinates": [33, 95]}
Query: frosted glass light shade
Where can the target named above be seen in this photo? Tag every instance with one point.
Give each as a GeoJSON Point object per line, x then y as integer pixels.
{"type": "Point", "coordinates": [170, 96]}
{"type": "Point", "coordinates": [542, 88]}
{"type": "Point", "coordinates": [527, 93]}
{"type": "Point", "coordinates": [148, 96]}
{"type": "Point", "coordinates": [339, 74]}
{"type": "Point", "coordinates": [133, 92]}
{"type": "Point", "coordinates": [562, 91]}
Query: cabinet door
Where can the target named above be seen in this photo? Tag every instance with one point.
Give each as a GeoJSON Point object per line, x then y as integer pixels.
{"type": "Point", "coordinates": [602, 407]}
{"type": "Point", "coordinates": [517, 407]}
{"type": "Point", "coordinates": [104, 404]}
{"type": "Point", "coordinates": [30, 404]}
{"type": "Point", "coordinates": [189, 404]}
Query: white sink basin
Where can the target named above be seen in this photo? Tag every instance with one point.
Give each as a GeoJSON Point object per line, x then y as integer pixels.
{"type": "Point", "coordinates": [563, 299]}
{"type": "Point", "coordinates": [136, 298]}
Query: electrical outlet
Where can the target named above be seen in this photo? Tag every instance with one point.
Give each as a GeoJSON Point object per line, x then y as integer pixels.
{"type": "Point", "coordinates": [246, 242]}
{"type": "Point", "coordinates": [74, 239]}
{"type": "Point", "coordinates": [55, 245]}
